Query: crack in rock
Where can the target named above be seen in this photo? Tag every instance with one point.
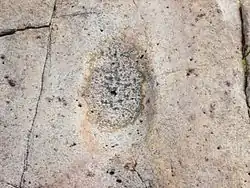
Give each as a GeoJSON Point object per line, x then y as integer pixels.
{"type": "Point", "coordinates": [245, 53]}
{"type": "Point", "coordinates": [48, 54]}
{"type": "Point", "coordinates": [84, 14]}
{"type": "Point", "coordinates": [29, 27]}
{"type": "Point", "coordinates": [25, 166]}
{"type": "Point", "coordinates": [10, 184]}
{"type": "Point", "coordinates": [13, 31]}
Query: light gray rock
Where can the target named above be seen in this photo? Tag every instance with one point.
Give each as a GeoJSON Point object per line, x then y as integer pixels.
{"type": "Point", "coordinates": [17, 15]}
{"type": "Point", "coordinates": [21, 64]}
{"type": "Point", "coordinates": [7, 185]}
{"type": "Point", "coordinates": [73, 148]}
{"type": "Point", "coordinates": [201, 124]}
{"type": "Point", "coordinates": [140, 94]}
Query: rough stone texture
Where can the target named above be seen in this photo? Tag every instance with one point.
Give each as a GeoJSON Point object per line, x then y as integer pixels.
{"type": "Point", "coordinates": [6, 185]}
{"type": "Point", "coordinates": [114, 91]}
{"type": "Point", "coordinates": [22, 58]}
{"type": "Point", "coordinates": [16, 14]}
{"type": "Point", "coordinates": [190, 123]}
{"type": "Point", "coordinates": [200, 133]}
{"type": "Point", "coordinates": [77, 153]}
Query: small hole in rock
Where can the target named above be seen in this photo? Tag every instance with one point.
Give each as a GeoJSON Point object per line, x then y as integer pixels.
{"type": "Point", "coordinates": [118, 180]}
{"type": "Point", "coordinates": [12, 83]}
{"type": "Point", "coordinates": [73, 144]}
{"type": "Point", "coordinates": [189, 72]}
{"type": "Point", "coordinates": [113, 92]}
{"type": "Point", "coordinates": [112, 172]}
{"type": "Point", "coordinates": [148, 101]}
{"type": "Point", "coordinates": [114, 145]}
{"type": "Point", "coordinates": [228, 83]}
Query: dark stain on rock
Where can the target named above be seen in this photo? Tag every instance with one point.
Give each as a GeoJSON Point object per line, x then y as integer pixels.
{"type": "Point", "coordinates": [2, 57]}
{"type": "Point", "coordinates": [191, 72]}
{"type": "Point", "coordinates": [111, 172]}
{"type": "Point", "coordinates": [199, 16]}
{"type": "Point", "coordinates": [61, 99]}
{"type": "Point", "coordinates": [11, 82]}
{"type": "Point", "coordinates": [73, 144]}
{"type": "Point", "coordinates": [212, 107]}
{"type": "Point", "coordinates": [228, 84]}
{"type": "Point", "coordinates": [118, 180]}
{"type": "Point", "coordinates": [119, 76]}
{"type": "Point", "coordinates": [90, 174]}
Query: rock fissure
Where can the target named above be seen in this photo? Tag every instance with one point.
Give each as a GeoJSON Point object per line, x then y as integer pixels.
{"type": "Point", "coordinates": [245, 53]}
{"type": "Point", "coordinates": [140, 177]}
{"type": "Point", "coordinates": [13, 31]}
{"type": "Point", "coordinates": [10, 184]}
{"type": "Point", "coordinates": [25, 163]}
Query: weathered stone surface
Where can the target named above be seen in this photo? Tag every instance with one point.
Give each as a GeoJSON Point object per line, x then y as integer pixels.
{"type": "Point", "coordinates": [16, 14]}
{"type": "Point", "coordinates": [22, 58]}
{"type": "Point", "coordinates": [6, 185]}
{"type": "Point", "coordinates": [201, 125]}
{"type": "Point", "coordinates": [141, 94]}
{"type": "Point", "coordinates": [73, 147]}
